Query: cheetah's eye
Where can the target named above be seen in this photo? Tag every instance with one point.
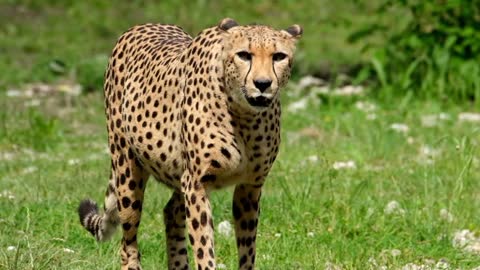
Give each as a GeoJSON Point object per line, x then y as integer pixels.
{"type": "Point", "coordinates": [245, 56]}
{"type": "Point", "coordinates": [278, 57]}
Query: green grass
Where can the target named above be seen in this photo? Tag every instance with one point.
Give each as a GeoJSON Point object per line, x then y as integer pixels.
{"type": "Point", "coordinates": [51, 159]}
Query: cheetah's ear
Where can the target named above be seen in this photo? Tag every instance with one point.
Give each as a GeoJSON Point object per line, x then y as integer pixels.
{"type": "Point", "coordinates": [227, 23]}
{"type": "Point", "coordinates": [294, 31]}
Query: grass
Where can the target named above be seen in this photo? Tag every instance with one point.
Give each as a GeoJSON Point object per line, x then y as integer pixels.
{"type": "Point", "coordinates": [51, 159]}
{"type": "Point", "coordinates": [313, 216]}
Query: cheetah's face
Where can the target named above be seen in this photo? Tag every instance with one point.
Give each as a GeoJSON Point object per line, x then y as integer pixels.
{"type": "Point", "coordinates": [258, 62]}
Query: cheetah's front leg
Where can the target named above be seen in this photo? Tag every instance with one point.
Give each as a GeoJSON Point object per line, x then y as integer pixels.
{"type": "Point", "coordinates": [246, 209]}
{"type": "Point", "coordinates": [200, 223]}
{"type": "Point", "coordinates": [174, 219]}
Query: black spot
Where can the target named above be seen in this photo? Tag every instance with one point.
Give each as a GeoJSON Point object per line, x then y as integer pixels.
{"type": "Point", "coordinates": [243, 260]}
{"type": "Point", "coordinates": [195, 224]}
{"type": "Point", "coordinates": [137, 205]}
{"type": "Point", "coordinates": [203, 218]}
{"type": "Point", "coordinates": [192, 241]}
{"type": "Point", "coordinates": [226, 153]}
{"type": "Point", "coordinates": [132, 185]}
{"type": "Point", "coordinates": [123, 179]}
{"type": "Point", "coordinates": [243, 225]}
{"type": "Point", "coordinates": [126, 226]}
{"type": "Point", "coordinates": [208, 178]}
{"type": "Point", "coordinates": [200, 253]}
{"type": "Point", "coordinates": [216, 164]}
{"type": "Point", "coordinates": [193, 198]}
{"type": "Point", "coordinates": [237, 213]}
{"type": "Point", "coordinates": [125, 202]}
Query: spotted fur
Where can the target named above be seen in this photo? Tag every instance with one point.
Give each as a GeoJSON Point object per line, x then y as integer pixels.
{"type": "Point", "coordinates": [197, 114]}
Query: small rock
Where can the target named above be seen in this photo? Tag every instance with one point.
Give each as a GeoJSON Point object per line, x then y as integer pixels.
{"type": "Point", "coordinates": [340, 165]}
{"type": "Point", "coordinates": [309, 81]}
{"type": "Point", "coordinates": [67, 250]}
{"type": "Point", "coordinates": [469, 117]}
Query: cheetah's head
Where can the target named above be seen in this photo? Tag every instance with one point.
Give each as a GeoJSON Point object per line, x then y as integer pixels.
{"type": "Point", "coordinates": [257, 62]}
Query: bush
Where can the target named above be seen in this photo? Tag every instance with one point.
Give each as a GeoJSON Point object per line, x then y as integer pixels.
{"type": "Point", "coordinates": [435, 54]}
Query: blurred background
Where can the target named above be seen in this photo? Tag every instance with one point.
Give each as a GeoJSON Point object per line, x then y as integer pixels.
{"type": "Point", "coordinates": [379, 162]}
{"type": "Point", "coordinates": [409, 45]}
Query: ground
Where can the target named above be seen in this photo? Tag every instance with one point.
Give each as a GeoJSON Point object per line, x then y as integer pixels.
{"type": "Point", "coordinates": [358, 182]}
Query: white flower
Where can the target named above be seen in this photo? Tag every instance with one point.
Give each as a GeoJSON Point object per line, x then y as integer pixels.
{"type": "Point", "coordinates": [29, 169]}
{"type": "Point", "coordinates": [429, 151]}
{"type": "Point", "coordinates": [266, 257]}
{"type": "Point", "coordinates": [225, 228]}
{"type": "Point", "coordinates": [310, 234]}
{"type": "Point", "coordinates": [412, 266]}
{"type": "Point", "coordinates": [445, 215]}
{"type": "Point", "coordinates": [443, 116]}
{"type": "Point", "coordinates": [277, 235]}
{"type": "Point", "coordinates": [67, 250]}
{"type": "Point", "coordinates": [11, 248]}
{"type": "Point", "coordinates": [393, 207]}
{"type": "Point", "coordinates": [469, 117]}
{"type": "Point", "coordinates": [399, 127]}
{"type": "Point", "coordinates": [427, 155]}
{"type": "Point", "coordinates": [365, 106]}
{"type": "Point", "coordinates": [72, 162]}
{"type": "Point", "coordinates": [410, 140]}
{"type": "Point", "coordinates": [332, 266]}
{"type": "Point", "coordinates": [221, 266]}
{"type": "Point", "coordinates": [7, 194]}
{"type": "Point", "coordinates": [442, 265]}
{"type": "Point", "coordinates": [395, 252]}
{"type": "Point", "coordinates": [339, 165]}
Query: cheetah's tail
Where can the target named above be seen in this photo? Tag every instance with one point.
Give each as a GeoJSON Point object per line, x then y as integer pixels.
{"type": "Point", "coordinates": [102, 226]}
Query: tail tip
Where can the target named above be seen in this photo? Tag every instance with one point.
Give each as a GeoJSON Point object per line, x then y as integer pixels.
{"type": "Point", "coordinates": [85, 208]}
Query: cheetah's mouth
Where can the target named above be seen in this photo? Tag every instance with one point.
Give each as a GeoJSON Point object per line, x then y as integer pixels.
{"type": "Point", "coordinates": [259, 101]}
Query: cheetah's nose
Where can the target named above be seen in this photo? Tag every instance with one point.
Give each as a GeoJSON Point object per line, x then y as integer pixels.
{"type": "Point", "coordinates": [262, 84]}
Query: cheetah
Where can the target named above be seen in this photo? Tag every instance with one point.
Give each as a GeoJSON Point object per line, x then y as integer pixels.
{"type": "Point", "coordinates": [197, 114]}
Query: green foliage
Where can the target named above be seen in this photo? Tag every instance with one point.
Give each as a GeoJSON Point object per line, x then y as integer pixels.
{"type": "Point", "coordinates": [34, 34]}
{"type": "Point", "coordinates": [312, 215]}
{"type": "Point", "coordinates": [32, 129]}
{"type": "Point", "coordinates": [436, 53]}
